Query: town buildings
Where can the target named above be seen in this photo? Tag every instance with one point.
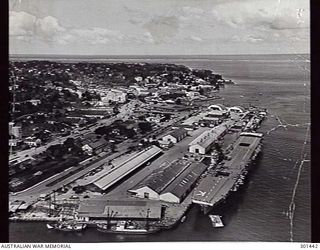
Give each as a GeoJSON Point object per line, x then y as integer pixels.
{"type": "Point", "coordinates": [115, 95]}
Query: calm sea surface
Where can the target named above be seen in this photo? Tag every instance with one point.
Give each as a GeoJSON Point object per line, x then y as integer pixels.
{"type": "Point", "coordinates": [274, 204]}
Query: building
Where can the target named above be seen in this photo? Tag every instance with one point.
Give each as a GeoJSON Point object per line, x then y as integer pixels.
{"type": "Point", "coordinates": [98, 209]}
{"type": "Point", "coordinates": [152, 186]}
{"type": "Point", "coordinates": [96, 147]}
{"type": "Point", "coordinates": [236, 109]}
{"type": "Point", "coordinates": [129, 165]}
{"type": "Point", "coordinates": [171, 182]}
{"type": "Point", "coordinates": [203, 143]}
{"type": "Point", "coordinates": [115, 95]}
{"type": "Point", "coordinates": [17, 132]}
{"type": "Point", "coordinates": [11, 124]}
{"type": "Point", "coordinates": [165, 144]}
{"type": "Point", "coordinates": [193, 94]}
{"type": "Point", "coordinates": [176, 135]}
{"type": "Point", "coordinates": [32, 141]}
{"type": "Point", "coordinates": [218, 107]}
{"type": "Point", "coordinates": [14, 142]}
{"type": "Point", "coordinates": [138, 91]}
{"type": "Point", "coordinates": [35, 102]}
{"type": "Point", "coordinates": [178, 189]}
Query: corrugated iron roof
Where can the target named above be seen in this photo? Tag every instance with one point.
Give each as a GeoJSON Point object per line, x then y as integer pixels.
{"type": "Point", "coordinates": [162, 177]}
{"type": "Point", "coordinates": [127, 167]}
{"type": "Point", "coordinates": [119, 208]}
{"type": "Point", "coordinates": [185, 180]}
{"type": "Point", "coordinates": [178, 132]}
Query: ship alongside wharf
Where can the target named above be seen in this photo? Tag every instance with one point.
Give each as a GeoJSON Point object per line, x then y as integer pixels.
{"type": "Point", "coordinates": [230, 173]}
{"type": "Point", "coordinates": [160, 205]}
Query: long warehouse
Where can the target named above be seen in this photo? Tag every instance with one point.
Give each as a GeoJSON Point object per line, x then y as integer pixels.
{"type": "Point", "coordinates": [128, 166]}
{"type": "Point", "coordinates": [95, 209]}
{"type": "Point", "coordinates": [170, 183]}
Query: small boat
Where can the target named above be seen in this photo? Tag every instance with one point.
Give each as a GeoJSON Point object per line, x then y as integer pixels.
{"type": "Point", "coordinates": [50, 226]}
{"type": "Point", "coordinates": [67, 226]}
{"type": "Point", "coordinates": [72, 227]}
{"type": "Point", "coordinates": [216, 220]}
{"type": "Point", "coordinates": [229, 82]}
{"type": "Point", "coordinates": [183, 219]}
{"type": "Point", "coordinates": [126, 227]}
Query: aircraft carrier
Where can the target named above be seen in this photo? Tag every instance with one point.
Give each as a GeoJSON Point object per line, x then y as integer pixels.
{"type": "Point", "coordinates": [230, 173]}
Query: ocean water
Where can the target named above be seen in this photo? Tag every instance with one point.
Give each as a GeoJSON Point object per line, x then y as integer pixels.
{"type": "Point", "coordinates": [275, 202]}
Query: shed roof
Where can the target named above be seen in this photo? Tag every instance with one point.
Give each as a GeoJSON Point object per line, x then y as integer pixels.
{"type": "Point", "coordinates": [162, 177]}
{"type": "Point", "coordinates": [127, 167]}
{"type": "Point", "coordinates": [120, 208]}
{"type": "Point", "coordinates": [98, 144]}
{"type": "Point", "coordinates": [209, 136]}
{"type": "Point", "coordinates": [184, 181]}
{"type": "Point", "coordinates": [178, 132]}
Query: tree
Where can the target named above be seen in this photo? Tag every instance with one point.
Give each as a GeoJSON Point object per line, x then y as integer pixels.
{"type": "Point", "coordinates": [178, 101]}
{"type": "Point", "coordinates": [69, 143]}
{"type": "Point", "coordinates": [113, 147]}
{"type": "Point", "coordinates": [144, 127]}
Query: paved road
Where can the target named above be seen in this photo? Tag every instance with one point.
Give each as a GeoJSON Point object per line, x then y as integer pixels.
{"type": "Point", "coordinates": [177, 151]}
{"type": "Point", "coordinates": [32, 194]}
{"type": "Point", "coordinates": [125, 112]}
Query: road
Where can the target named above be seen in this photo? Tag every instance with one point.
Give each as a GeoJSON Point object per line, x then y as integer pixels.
{"type": "Point", "coordinates": [125, 111]}
{"type": "Point", "coordinates": [175, 152]}
{"type": "Point", "coordinates": [30, 195]}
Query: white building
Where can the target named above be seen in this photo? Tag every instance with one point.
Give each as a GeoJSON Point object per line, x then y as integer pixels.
{"type": "Point", "coordinates": [192, 94]}
{"type": "Point", "coordinates": [218, 107]}
{"type": "Point", "coordinates": [138, 91]}
{"type": "Point", "coordinates": [203, 143]}
{"type": "Point", "coordinates": [176, 135]}
{"type": "Point", "coordinates": [16, 132]}
{"type": "Point", "coordinates": [115, 95]}
{"type": "Point", "coordinates": [32, 142]}
{"type": "Point", "coordinates": [236, 109]}
{"type": "Point", "coordinates": [138, 78]}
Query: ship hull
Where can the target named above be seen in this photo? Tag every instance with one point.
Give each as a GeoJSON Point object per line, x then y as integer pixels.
{"type": "Point", "coordinates": [206, 209]}
{"type": "Point", "coordinates": [129, 231]}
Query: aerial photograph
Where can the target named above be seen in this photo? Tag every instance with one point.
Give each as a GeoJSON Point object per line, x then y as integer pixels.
{"type": "Point", "coordinates": [159, 121]}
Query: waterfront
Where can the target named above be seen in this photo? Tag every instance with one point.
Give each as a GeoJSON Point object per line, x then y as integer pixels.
{"type": "Point", "coordinates": [260, 210]}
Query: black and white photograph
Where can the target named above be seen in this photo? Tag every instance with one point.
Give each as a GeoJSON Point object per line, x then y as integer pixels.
{"type": "Point", "coordinates": [159, 121]}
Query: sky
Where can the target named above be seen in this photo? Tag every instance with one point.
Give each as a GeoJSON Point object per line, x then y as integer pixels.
{"type": "Point", "coordinates": [158, 27]}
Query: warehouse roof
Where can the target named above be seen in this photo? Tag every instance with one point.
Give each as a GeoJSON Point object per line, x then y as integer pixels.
{"type": "Point", "coordinates": [209, 136]}
{"type": "Point", "coordinates": [162, 177]}
{"type": "Point", "coordinates": [178, 132]}
{"type": "Point", "coordinates": [126, 167]}
{"type": "Point", "coordinates": [120, 208]}
{"type": "Point", "coordinates": [184, 181]}
{"type": "Point", "coordinates": [98, 144]}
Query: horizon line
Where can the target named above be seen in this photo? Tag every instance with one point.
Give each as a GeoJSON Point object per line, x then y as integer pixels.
{"type": "Point", "coordinates": [159, 55]}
